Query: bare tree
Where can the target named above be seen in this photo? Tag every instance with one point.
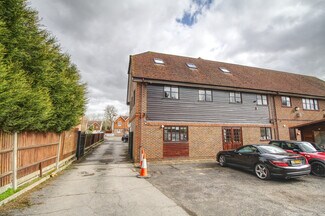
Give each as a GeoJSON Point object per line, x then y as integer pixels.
{"type": "Point", "coordinates": [95, 117]}
{"type": "Point", "coordinates": [110, 113]}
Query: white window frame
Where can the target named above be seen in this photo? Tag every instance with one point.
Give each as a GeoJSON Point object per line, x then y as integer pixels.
{"type": "Point", "coordinates": [235, 97]}
{"type": "Point", "coordinates": [310, 104]}
{"type": "Point", "coordinates": [261, 100]}
{"type": "Point", "coordinates": [287, 101]}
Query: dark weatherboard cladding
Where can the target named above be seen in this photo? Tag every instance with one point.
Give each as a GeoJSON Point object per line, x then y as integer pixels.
{"type": "Point", "coordinates": [188, 108]}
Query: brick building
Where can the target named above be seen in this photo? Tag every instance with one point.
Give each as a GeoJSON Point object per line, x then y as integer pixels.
{"type": "Point", "coordinates": [183, 107]}
{"type": "Point", "coordinates": [95, 126]}
{"type": "Point", "coordinates": [121, 126]}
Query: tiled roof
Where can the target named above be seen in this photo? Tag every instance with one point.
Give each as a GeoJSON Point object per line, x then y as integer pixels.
{"type": "Point", "coordinates": [93, 122]}
{"type": "Point", "coordinates": [123, 117]}
{"type": "Point", "coordinates": [209, 73]}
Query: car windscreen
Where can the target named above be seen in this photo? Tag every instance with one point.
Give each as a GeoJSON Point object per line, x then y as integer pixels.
{"type": "Point", "coordinates": [271, 149]}
{"type": "Point", "coordinates": [307, 147]}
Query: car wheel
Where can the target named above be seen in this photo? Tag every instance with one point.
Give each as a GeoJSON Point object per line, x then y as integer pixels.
{"type": "Point", "coordinates": [318, 168]}
{"type": "Point", "coordinates": [261, 171]}
{"type": "Point", "coordinates": [222, 160]}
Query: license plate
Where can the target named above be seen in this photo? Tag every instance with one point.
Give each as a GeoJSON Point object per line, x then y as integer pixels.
{"type": "Point", "coordinates": [296, 162]}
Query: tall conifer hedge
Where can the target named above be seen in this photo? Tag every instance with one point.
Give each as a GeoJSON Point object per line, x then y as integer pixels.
{"type": "Point", "coordinates": [40, 88]}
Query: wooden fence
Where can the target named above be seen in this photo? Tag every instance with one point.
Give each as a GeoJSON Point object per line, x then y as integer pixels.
{"type": "Point", "coordinates": [27, 155]}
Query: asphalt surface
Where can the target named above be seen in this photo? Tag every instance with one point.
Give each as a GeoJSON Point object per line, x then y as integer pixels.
{"type": "Point", "coordinates": [208, 189]}
{"type": "Point", "coordinates": [103, 183]}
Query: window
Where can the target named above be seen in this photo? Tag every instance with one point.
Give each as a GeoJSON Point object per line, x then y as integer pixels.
{"type": "Point", "coordinates": [225, 70]}
{"type": "Point", "coordinates": [175, 134]}
{"type": "Point", "coordinates": [235, 97]}
{"type": "Point", "coordinates": [286, 102]}
{"type": "Point", "coordinates": [191, 65]}
{"type": "Point", "coordinates": [158, 61]}
{"type": "Point", "coordinates": [248, 149]}
{"type": "Point", "coordinates": [205, 95]}
{"type": "Point", "coordinates": [171, 92]}
{"type": "Point", "coordinates": [119, 123]}
{"type": "Point", "coordinates": [290, 146]}
{"type": "Point", "coordinates": [266, 133]}
{"type": "Point", "coordinates": [309, 104]}
{"type": "Point", "coordinates": [261, 100]}
{"type": "Point", "coordinates": [275, 144]}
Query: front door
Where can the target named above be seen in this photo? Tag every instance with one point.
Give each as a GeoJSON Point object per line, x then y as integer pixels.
{"type": "Point", "coordinates": [232, 137]}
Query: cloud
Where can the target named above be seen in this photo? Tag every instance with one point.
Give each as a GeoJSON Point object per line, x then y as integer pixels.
{"type": "Point", "coordinates": [196, 8]}
{"type": "Point", "coordinates": [100, 35]}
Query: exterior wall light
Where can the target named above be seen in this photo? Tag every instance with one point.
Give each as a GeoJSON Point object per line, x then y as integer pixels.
{"type": "Point", "coordinates": [297, 108]}
{"type": "Point", "coordinates": [162, 126]}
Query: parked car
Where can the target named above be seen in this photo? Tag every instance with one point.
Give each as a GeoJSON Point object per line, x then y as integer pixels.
{"type": "Point", "coordinates": [315, 158]}
{"type": "Point", "coordinates": [125, 138]}
{"type": "Point", "coordinates": [265, 161]}
{"type": "Point", "coordinates": [318, 147]}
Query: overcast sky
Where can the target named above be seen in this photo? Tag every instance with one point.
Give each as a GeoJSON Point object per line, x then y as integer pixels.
{"type": "Point", "coordinates": [286, 35]}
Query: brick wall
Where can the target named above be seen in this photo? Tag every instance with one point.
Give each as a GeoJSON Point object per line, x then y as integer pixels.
{"type": "Point", "coordinates": [152, 140]}
{"type": "Point", "coordinates": [205, 140]}
{"type": "Point", "coordinates": [289, 113]}
{"type": "Point", "coordinates": [287, 116]}
{"type": "Point", "coordinates": [137, 115]}
{"type": "Point", "coordinates": [251, 135]}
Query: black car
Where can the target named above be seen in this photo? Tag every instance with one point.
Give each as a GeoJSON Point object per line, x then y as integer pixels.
{"type": "Point", "coordinates": [265, 161]}
{"type": "Point", "coordinates": [125, 138]}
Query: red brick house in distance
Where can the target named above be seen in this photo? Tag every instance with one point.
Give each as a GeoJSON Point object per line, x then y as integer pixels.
{"type": "Point", "coordinates": [121, 126]}
{"type": "Point", "coordinates": [183, 107]}
{"type": "Point", "coordinates": [94, 125]}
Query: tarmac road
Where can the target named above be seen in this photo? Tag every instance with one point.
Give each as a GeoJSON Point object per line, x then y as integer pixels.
{"type": "Point", "coordinates": [103, 183]}
{"type": "Point", "coordinates": [208, 189]}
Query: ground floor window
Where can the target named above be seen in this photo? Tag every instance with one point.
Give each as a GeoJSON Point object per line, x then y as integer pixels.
{"type": "Point", "coordinates": [175, 134]}
{"type": "Point", "coordinates": [266, 133]}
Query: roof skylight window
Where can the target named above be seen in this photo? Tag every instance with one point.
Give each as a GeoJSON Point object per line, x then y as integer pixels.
{"type": "Point", "coordinates": [225, 70]}
{"type": "Point", "coordinates": [158, 61]}
{"type": "Point", "coordinates": [191, 65]}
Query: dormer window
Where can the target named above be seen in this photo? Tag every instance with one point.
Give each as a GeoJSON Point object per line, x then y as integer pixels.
{"type": "Point", "coordinates": [191, 65]}
{"type": "Point", "coordinates": [158, 61]}
{"type": "Point", "coordinates": [225, 70]}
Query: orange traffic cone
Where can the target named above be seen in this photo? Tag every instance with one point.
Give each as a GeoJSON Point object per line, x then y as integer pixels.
{"type": "Point", "coordinates": [141, 157]}
{"type": "Point", "coordinates": [143, 170]}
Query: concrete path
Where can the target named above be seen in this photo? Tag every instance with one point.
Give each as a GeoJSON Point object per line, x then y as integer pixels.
{"type": "Point", "coordinates": [104, 183]}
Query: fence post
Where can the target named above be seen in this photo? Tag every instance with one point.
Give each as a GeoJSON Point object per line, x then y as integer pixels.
{"type": "Point", "coordinates": [14, 162]}
{"type": "Point", "coordinates": [58, 154]}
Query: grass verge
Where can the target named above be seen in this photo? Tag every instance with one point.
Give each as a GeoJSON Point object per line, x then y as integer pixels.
{"type": "Point", "coordinates": [11, 191]}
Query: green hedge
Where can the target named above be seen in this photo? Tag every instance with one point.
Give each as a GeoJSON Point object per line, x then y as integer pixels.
{"type": "Point", "coordinates": [40, 88]}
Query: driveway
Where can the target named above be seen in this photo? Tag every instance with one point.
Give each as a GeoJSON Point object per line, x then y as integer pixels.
{"type": "Point", "coordinates": [207, 189]}
{"type": "Point", "coordinates": [103, 183]}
